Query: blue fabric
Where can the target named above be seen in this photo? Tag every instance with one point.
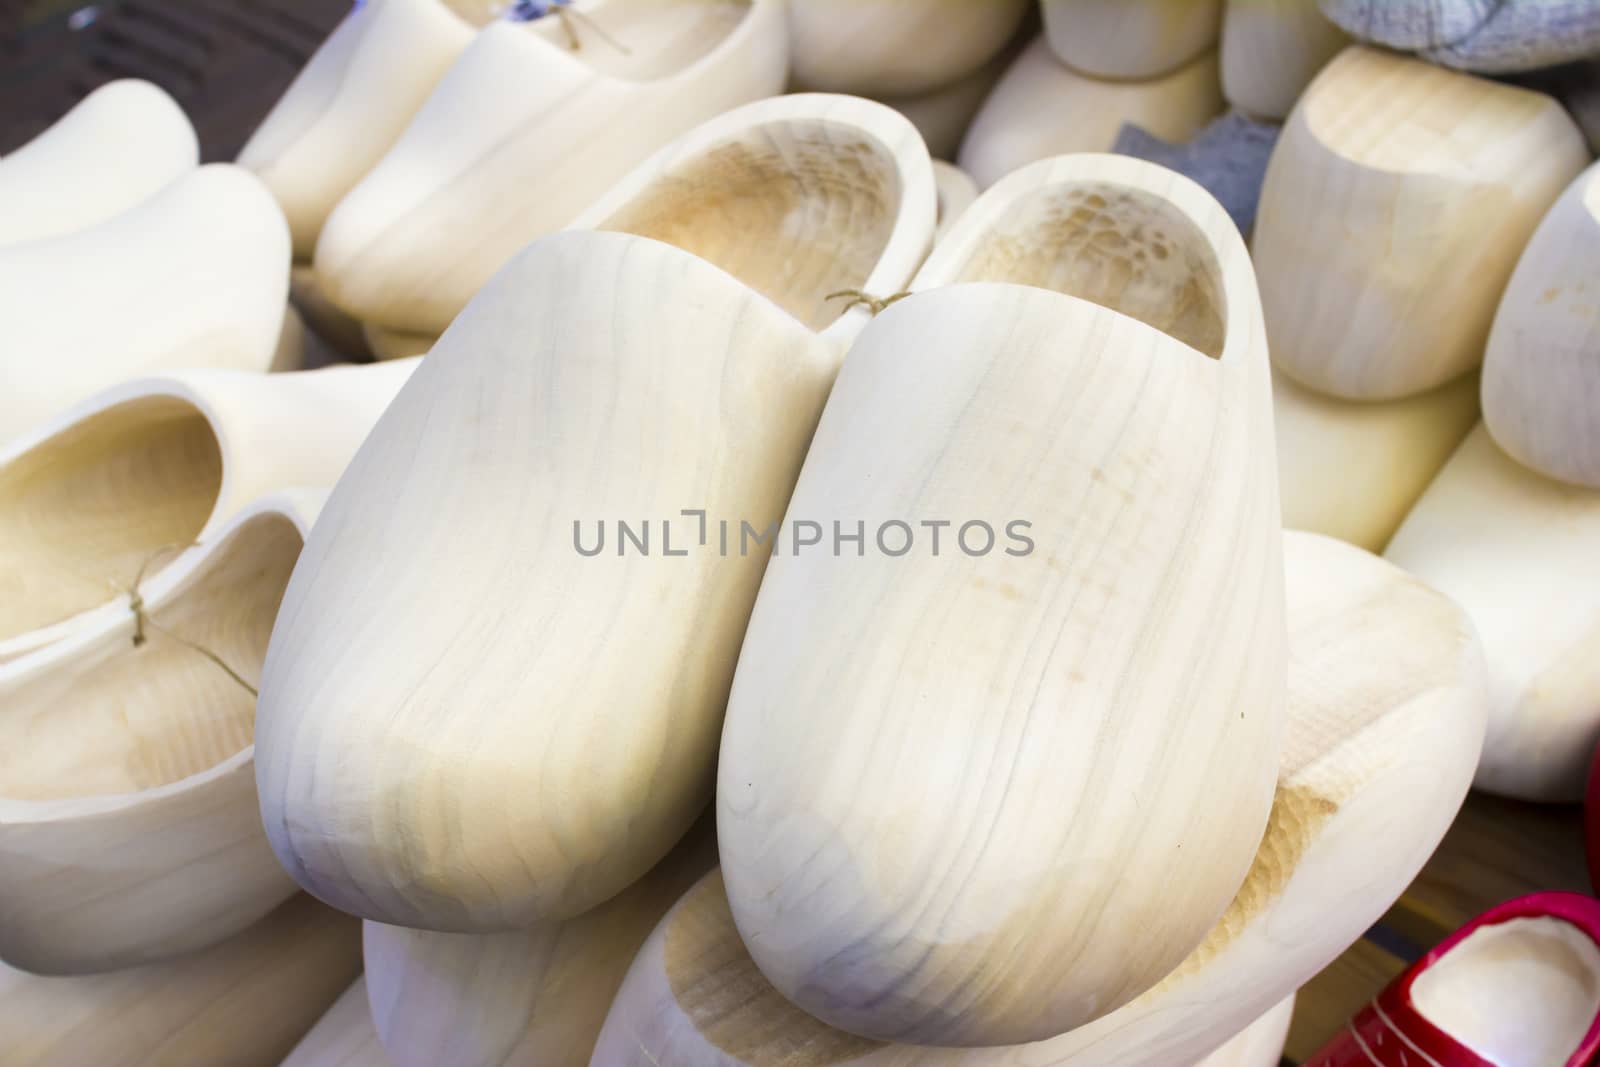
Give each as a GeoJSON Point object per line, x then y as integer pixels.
{"type": "Point", "coordinates": [1229, 158]}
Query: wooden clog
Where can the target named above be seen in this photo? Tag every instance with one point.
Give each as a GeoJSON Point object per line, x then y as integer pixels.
{"type": "Point", "coordinates": [1259, 1046]}
{"type": "Point", "coordinates": [1541, 371]}
{"type": "Point", "coordinates": [243, 1003]}
{"type": "Point", "coordinates": [350, 104]}
{"type": "Point", "coordinates": [1517, 551]}
{"type": "Point", "coordinates": [396, 344]}
{"type": "Point", "coordinates": [101, 491]}
{"type": "Point", "coordinates": [873, 893]}
{"type": "Point", "coordinates": [1386, 713]}
{"type": "Point", "coordinates": [1427, 184]}
{"type": "Point", "coordinates": [121, 145]}
{"type": "Point", "coordinates": [1517, 987]}
{"type": "Point", "coordinates": [293, 343]}
{"type": "Point", "coordinates": [523, 133]}
{"type": "Point", "coordinates": [194, 276]}
{"type": "Point", "coordinates": [1042, 108]}
{"type": "Point", "coordinates": [534, 997]}
{"type": "Point", "coordinates": [957, 191]}
{"type": "Point", "coordinates": [605, 675]}
{"type": "Point", "coordinates": [343, 334]}
{"type": "Point", "coordinates": [1354, 471]}
{"type": "Point", "coordinates": [129, 830]}
{"type": "Point", "coordinates": [890, 47]}
{"type": "Point", "coordinates": [1271, 50]}
{"type": "Point", "coordinates": [943, 115]}
{"type": "Point", "coordinates": [344, 1037]}
{"type": "Point", "coordinates": [1131, 40]}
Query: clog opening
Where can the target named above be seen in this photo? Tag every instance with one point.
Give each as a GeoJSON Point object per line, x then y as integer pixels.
{"type": "Point", "coordinates": [118, 718]}
{"type": "Point", "coordinates": [82, 511]}
{"type": "Point", "coordinates": [1522, 993]}
{"type": "Point", "coordinates": [642, 40]}
{"type": "Point", "coordinates": [796, 210]}
{"type": "Point", "coordinates": [1114, 246]}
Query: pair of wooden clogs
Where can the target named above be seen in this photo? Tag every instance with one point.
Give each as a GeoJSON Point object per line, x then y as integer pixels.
{"type": "Point", "coordinates": [1437, 182]}
{"type": "Point", "coordinates": [120, 257]}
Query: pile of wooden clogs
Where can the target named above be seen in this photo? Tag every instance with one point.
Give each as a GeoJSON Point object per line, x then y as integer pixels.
{"type": "Point", "coordinates": [778, 597]}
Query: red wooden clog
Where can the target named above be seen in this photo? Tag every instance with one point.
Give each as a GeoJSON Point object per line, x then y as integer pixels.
{"type": "Point", "coordinates": [1519, 986]}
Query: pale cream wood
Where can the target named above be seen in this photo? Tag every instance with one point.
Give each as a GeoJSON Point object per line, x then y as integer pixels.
{"type": "Point", "coordinates": [896, 47]}
{"type": "Point", "coordinates": [1271, 49]}
{"type": "Point", "coordinates": [347, 1037]}
{"type": "Point", "coordinates": [1259, 1046]}
{"type": "Point", "coordinates": [1041, 108]}
{"type": "Point", "coordinates": [396, 344]}
{"type": "Point", "coordinates": [603, 678]}
{"type": "Point", "coordinates": [942, 116]}
{"type": "Point", "coordinates": [243, 1003]}
{"type": "Point", "coordinates": [1354, 470]}
{"type": "Point", "coordinates": [523, 133]}
{"type": "Point", "coordinates": [194, 276]}
{"type": "Point", "coordinates": [129, 828]}
{"type": "Point", "coordinates": [957, 191]}
{"type": "Point", "coordinates": [874, 894]}
{"type": "Point", "coordinates": [1541, 371]}
{"type": "Point", "coordinates": [1518, 551]}
{"type": "Point", "coordinates": [342, 333]}
{"type": "Point", "coordinates": [534, 997]}
{"type": "Point", "coordinates": [1131, 39]}
{"type": "Point", "coordinates": [117, 147]}
{"type": "Point", "coordinates": [290, 355]}
{"type": "Point", "coordinates": [159, 464]}
{"type": "Point", "coordinates": [349, 105]}
{"type": "Point", "coordinates": [1386, 714]}
{"type": "Point", "coordinates": [1397, 201]}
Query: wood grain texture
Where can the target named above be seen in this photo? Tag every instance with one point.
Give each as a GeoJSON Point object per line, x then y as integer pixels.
{"type": "Point", "coordinates": [1131, 39]}
{"type": "Point", "coordinates": [344, 1037]}
{"type": "Point", "coordinates": [473, 727]}
{"type": "Point", "coordinates": [896, 47]}
{"type": "Point", "coordinates": [130, 477]}
{"type": "Point", "coordinates": [1261, 1045]}
{"type": "Point", "coordinates": [1014, 672]}
{"type": "Point", "coordinates": [1427, 184]}
{"type": "Point", "coordinates": [243, 1003]}
{"type": "Point", "coordinates": [1041, 108]}
{"type": "Point", "coordinates": [129, 828]}
{"type": "Point", "coordinates": [1354, 470]}
{"type": "Point", "coordinates": [349, 105]}
{"type": "Point", "coordinates": [1386, 711]}
{"type": "Point", "coordinates": [120, 145]}
{"type": "Point", "coordinates": [1541, 371]}
{"type": "Point", "coordinates": [1517, 551]}
{"type": "Point", "coordinates": [527, 998]}
{"type": "Point", "coordinates": [194, 276]}
{"type": "Point", "coordinates": [1271, 50]}
{"type": "Point", "coordinates": [957, 191]}
{"type": "Point", "coordinates": [523, 133]}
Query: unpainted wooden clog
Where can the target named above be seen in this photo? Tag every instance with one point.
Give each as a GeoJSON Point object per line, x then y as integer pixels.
{"type": "Point", "coordinates": [1394, 209]}
{"type": "Point", "coordinates": [345, 1036]}
{"type": "Point", "coordinates": [129, 478]}
{"type": "Point", "coordinates": [129, 828]}
{"type": "Point", "coordinates": [1517, 551]}
{"type": "Point", "coordinates": [195, 276]}
{"type": "Point", "coordinates": [877, 893]}
{"type": "Point", "coordinates": [119, 146]}
{"type": "Point", "coordinates": [957, 191]}
{"type": "Point", "coordinates": [1541, 371]}
{"type": "Point", "coordinates": [343, 334]}
{"type": "Point", "coordinates": [534, 997]}
{"type": "Point", "coordinates": [894, 48]}
{"type": "Point", "coordinates": [1259, 1046]}
{"type": "Point", "coordinates": [1386, 713]}
{"type": "Point", "coordinates": [1354, 471]}
{"type": "Point", "coordinates": [243, 1003]}
{"type": "Point", "coordinates": [1042, 108]}
{"type": "Point", "coordinates": [523, 133]}
{"type": "Point", "coordinates": [1519, 986]}
{"type": "Point", "coordinates": [396, 344]}
{"type": "Point", "coordinates": [350, 104]}
{"type": "Point", "coordinates": [944, 115]}
{"type": "Point", "coordinates": [1271, 50]}
{"type": "Point", "coordinates": [394, 756]}
{"type": "Point", "coordinates": [1131, 40]}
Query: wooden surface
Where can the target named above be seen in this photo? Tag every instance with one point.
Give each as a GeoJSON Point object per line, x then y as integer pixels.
{"type": "Point", "coordinates": [1497, 849]}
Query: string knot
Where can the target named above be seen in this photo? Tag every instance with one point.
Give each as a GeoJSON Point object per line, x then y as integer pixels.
{"type": "Point", "coordinates": [874, 304]}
